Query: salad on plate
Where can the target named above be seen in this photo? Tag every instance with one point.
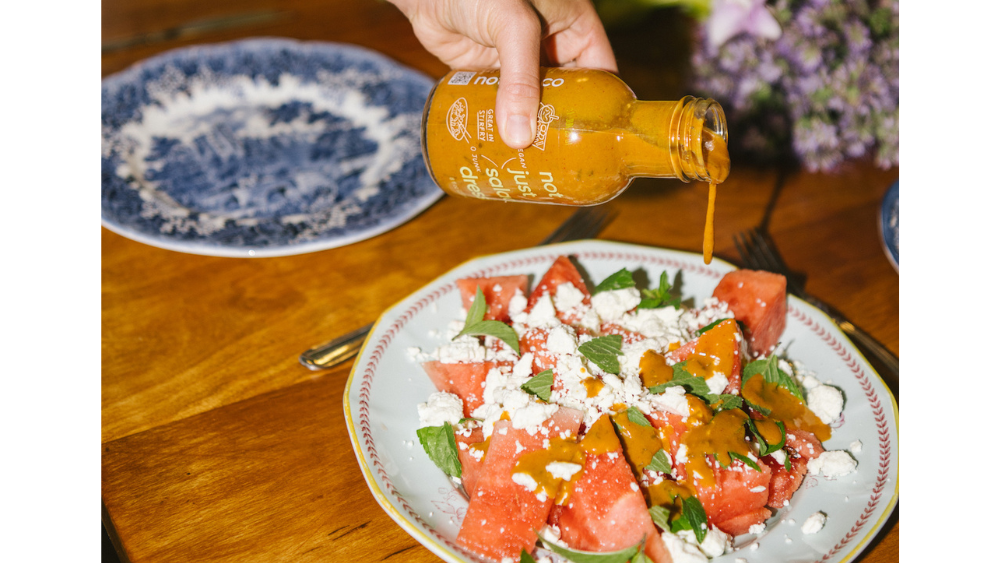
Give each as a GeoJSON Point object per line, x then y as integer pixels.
{"type": "Point", "coordinates": [619, 423]}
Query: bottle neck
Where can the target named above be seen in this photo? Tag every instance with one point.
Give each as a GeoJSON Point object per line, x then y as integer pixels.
{"type": "Point", "coordinates": [685, 139]}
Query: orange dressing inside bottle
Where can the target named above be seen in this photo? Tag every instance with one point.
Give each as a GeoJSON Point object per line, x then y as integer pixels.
{"type": "Point", "coordinates": [593, 137]}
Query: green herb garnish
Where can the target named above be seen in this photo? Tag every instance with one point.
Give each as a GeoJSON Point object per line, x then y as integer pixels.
{"type": "Point", "coordinates": [660, 516]}
{"type": "Point", "coordinates": [745, 460]}
{"type": "Point", "coordinates": [526, 557]}
{"type": "Point", "coordinates": [439, 443]}
{"type": "Point", "coordinates": [476, 326]}
{"type": "Point", "coordinates": [726, 401]}
{"type": "Point", "coordinates": [661, 463]}
{"type": "Point", "coordinates": [660, 297]}
{"type": "Point", "coordinates": [682, 377]}
{"type": "Point", "coordinates": [575, 556]}
{"type": "Point", "coordinates": [621, 279]}
{"type": "Point", "coordinates": [765, 447]}
{"type": "Point", "coordinates": [636, 417]}
{"type": "Point", "coordinates": [772, 374]}
{"type": "Point", "coordinates": [540, 385]}
{"type": "Point", "coordinates": [692, 518]}
{"type": "Point", "coordinates": [603, 351]}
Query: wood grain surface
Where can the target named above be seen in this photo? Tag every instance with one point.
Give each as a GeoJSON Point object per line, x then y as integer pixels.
{"type": "Point", "coordinates": [218, 446]}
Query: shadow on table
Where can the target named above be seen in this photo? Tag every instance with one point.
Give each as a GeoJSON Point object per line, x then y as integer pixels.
{"type": "Point", "coordinates": [108, 554]}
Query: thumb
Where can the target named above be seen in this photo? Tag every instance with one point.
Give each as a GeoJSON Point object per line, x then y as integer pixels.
{"type": "Point", "coordinates": [517, 40]}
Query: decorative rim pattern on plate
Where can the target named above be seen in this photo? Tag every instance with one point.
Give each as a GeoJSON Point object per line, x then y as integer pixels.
{"type": "Point", "coordinates": [358, 393]}
{"type": "Point", "coordinates": [262, 147]}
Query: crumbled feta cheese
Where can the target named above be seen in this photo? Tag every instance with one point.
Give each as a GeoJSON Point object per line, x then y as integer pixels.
{"type": "Point", "coordinates": [855, 447]}
{"type": "Point", "coordinates": [672, 400]}
{"type": "Point", "coordinates": [826, 402]}
{"type": "Point", "coordinates": [563, 470]}
{"type": "Point", "coordinates": [717, 383]}
{"type": "Point", "coordinates": [518, 302]}
{"type": "Point", "coordinates": [779, 456]}
{"type": "Point", "coordinates": [682, 454]}
{"type": "Point", "coordinates": [682, 551]}
{"type": "Point", "coordinates": [757, 528]}
{"type": "Point", "coordinates": [567, 297]}
{"type": "Point", "coordinates": [530, 416]}
{"type": "Point", "coordinates": [758, 489]}
{"type": "Point", "coordinates": [716, 543]}
{"type": "Point", "coordinates": [525, 481]}
{"type": "Point", "coordinates": [553, 534]}
{"type": "Point", "coordinates": [543, 313]}
{"type": "Point", "coordinates": [440, 407]}
{"type": "Point", "coordinates": [461, 350]}
{"type": "Point", "coordinates": [612, 305]}
{"type": "Point", "coordinates": [814, 523]}
{"type": "Point", "coordinates": [561, 341]}
{"type": "Point", "coordinates": [832, 464]}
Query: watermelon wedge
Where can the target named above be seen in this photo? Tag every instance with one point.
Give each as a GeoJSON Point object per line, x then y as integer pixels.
{"type": "Point", "coordinates": [606, 510]}
{"type": "Point", "coordinates": [562, 271]}
{"type": "Point", "coordinates": [757, 299]}
{"type": "Point", "coordinates": [720, 348]}
{"type": "Point", "coordinates": [466, 380]}
{"type": "Point", "coordinates": [784, 483]}
{"type": "Point", "coordinates": [739, 498]}
{"type": "Point", "coordinates": [503, 516]}
{"type": "Point", "coordinates": [497, 290]}
{"type": "Point", "coordinates": [471, 463]}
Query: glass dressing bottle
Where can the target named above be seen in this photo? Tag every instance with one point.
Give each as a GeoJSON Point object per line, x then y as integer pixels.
{"type": "Point", "coordinates": [593, 138]}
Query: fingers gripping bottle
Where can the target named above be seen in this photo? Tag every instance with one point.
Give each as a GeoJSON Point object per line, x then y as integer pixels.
{"type": "Point", "coordinates": [593, 138]}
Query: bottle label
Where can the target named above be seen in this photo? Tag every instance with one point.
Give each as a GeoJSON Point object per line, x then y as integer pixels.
{"type": "Point", "coordinates": [567, 159]}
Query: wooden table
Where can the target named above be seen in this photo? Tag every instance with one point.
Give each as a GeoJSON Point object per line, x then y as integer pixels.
{"type": "Point", "coordinates": [218, 446]}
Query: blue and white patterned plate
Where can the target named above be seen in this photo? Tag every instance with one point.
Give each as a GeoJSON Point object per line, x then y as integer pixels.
{"type": "Point", "coordinates": [889, 224]}
{"type": "Point", "coordinates": [262, 147]}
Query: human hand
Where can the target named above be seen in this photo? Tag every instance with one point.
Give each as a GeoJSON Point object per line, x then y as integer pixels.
{"type": "Point", "coordinates": [510, 34]}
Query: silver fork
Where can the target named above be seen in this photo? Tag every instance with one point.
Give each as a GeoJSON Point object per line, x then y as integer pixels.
{"type": "Point", "coordinates": [587, 222]}
{"type": "Point", "coordinates": [759, 252]}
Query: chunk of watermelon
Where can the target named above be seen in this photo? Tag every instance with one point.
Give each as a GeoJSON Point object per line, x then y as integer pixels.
{"type": "Point", "coordinates": [730, 347]}
{"type": "Point", "coordinates": [606, 510]}
{"type": "Point", "coordinates": [503, 516]}
{"type": "Point", "coordinates": [466, 380]}
{"type": "Point", "coordinates": [534, 340]}
{"type": "Point", "coordinates": [498, 292]}
{"type": "Point", "coordinates": [471, 464]}
{"type": "Point", "coordinates": [562, 271]}
{"type": "Point", "coordinates": [739, 498]}
{"type": "Point", "coordinates": [757, 299]}
{"type": "Point", "coordinates": [803, 446]}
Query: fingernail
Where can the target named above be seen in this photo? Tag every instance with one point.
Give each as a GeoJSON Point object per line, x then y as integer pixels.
{"type": "Point", "coordinates": [518, 131]}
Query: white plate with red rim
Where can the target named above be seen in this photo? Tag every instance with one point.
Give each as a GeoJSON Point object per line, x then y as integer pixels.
{"type": "Point", "coordinates": [385, 387]}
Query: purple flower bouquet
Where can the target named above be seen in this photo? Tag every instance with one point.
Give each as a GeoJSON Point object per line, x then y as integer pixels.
{"type": "Point", "coordinates": [816, 77]}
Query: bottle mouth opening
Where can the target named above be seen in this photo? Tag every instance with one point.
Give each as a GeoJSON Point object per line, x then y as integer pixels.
{"type": "Point", "coordinates": [703, 152]}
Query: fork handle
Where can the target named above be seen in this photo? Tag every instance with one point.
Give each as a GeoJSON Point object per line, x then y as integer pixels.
{"type": "Point", "coordinates": [335, 351]}
{"type": "Point", "coordinates": [859, 336]}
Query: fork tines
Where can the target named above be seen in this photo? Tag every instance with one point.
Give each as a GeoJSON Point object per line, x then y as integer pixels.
{"type": "Point", "coordinates": [585, 223]}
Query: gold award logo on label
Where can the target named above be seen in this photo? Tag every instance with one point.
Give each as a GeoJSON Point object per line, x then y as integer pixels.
{"type": "Point", "coordinates": [546, 115]}
{"type": "Point", "coordinates": [458, 120]}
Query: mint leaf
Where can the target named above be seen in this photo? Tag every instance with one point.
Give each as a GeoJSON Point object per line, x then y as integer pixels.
{"type": "Point", "coordinates": [661, 463]}
{"type": "Point", "coordinates": [745, 460]}
{"type": "Point", "coordinates": [478, 309]}
{"type": "Point", "coordinates": [467, 419]}
{"type": "Point", "coordinates": [619, 280]}
{"type": "Point", "coordinates": [692, 518]}
{"type": "Point", "coordinates": [603, 351]}
{"type": "Point", "coordinates": [526, 557]}
{"type": "Point", "coordinates": [439, 443]}
{"type": "Point", "coordinates": [641, 558]}
{"type": "Point", "coordinates": [575, 556]}
{"type": "Point", "coordinates": [772, 374]}
{"type": "Point", "coordinates": [476, 326]}
{"type": "Point", "coordinates": [660, 297]}
{"type": "Point", "coordinates": [765, 447]}
{"type": "Point", "coordinates": [635, 415]}
{"type": "Point", "coordinates": [727, 401]}
{"type": "Point", "coordinates": [660, 516]}
{"type": "Point", "coordinates": [788, 463]}
{"type": "Point", "coordinates": [691, 383]}
{"type": "Point", "coordinates": [496, 329]}
{"type": "Point", "coordinates": [540, 385]}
